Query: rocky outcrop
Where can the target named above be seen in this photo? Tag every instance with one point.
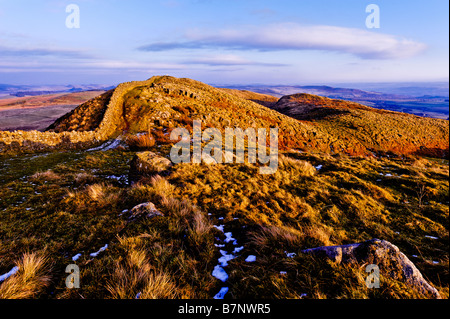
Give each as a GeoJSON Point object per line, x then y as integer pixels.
{"type": "Point", "coordinates": [148, 164]}
{"type": "Point", "coordinates": [386, 256]}
{"type": "Point", "coordinates": [144, 210]}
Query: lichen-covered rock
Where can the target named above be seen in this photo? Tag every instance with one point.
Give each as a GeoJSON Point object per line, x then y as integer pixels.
{"type": "Point", "coordinates": [144, 210]}
{"type": "Point", "coordinates": [386, 256]}
{"type": "Point", "coordinates": [148, 164]}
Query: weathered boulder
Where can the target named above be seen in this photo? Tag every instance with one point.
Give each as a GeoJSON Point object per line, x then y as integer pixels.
{"type": "Point", "coordinates": [148, 164]}
{"type": "Point", "coordinates": [144, 210]}
{"type": "Point", "coordinates": [386, 256]}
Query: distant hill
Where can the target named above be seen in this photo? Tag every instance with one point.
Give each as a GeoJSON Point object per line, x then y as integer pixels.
{"type": "Point", "coordinates": [413, 100]}
{"type": "Point", "coordinates": [36, 90]}
{"type": "Point", "coordinates": [306, 122]}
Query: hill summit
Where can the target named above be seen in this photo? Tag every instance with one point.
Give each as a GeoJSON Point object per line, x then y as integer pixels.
{"type": "Point", "coordinates": [305, 122]}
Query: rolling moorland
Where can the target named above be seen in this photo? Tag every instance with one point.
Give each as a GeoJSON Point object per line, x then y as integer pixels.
{"type": "Point", "coordinates": [37, 112]}
{"type": "Point", "coordinates": [429, 100]}
{"type": "Point", "coordinates": [96, 189]}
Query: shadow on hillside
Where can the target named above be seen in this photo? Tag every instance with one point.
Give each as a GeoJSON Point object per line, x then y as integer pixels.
{"type": "Point", "coordinates": [318, 114]}
{"type": "Point", "coordinates": [268, 104]}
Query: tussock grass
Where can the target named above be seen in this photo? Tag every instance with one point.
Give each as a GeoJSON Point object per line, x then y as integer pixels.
{"type": "Point", "coordinates": [293, 165]}
{"type": "Point", "coordinates": [135, 277]}
{"type": "Point", "coordinates": [84, 178]}
{"type": "Point", "coordinates": [271, 236]}
{"type": "Point", "coordinates": [48, 175]}
{"type": "Point", "coordinates": [140, 142]}
{"type": "Point", "coordinates": [296, 208]}
{"type": "Point", "coordinates": [31, 279]}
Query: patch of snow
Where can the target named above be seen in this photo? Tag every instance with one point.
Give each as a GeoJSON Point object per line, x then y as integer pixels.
{"type": "Point", "coordinates": [109, 145]}
{"type": "Point", "coordinates": [223, 261]}
{"type": "Point", "coordinates": [223, 291]}
{"type": "Point", "coordinates": [415, 256]}
{"type": "Point", "coordinates": [319, 167]}
{"type": "Point", "coordinates": [290, 255]}
{"type": "Point", "coordinates": [219, 273]}
{"type": "Point", "coordinates": [435, 262]}
{"type": "Point", "coordinates": [238, 249]}
{"type": "Point", "coordinates": [250, 258]}
{"type": "Point", "coordinates": [220, 227]}
{"type": "Point", "coordinates": [117, 178]}
{"type": "Point", "coordinates": [220, 218]}
{"type": "Point", "coordinates": [138, 295]}
{"type": "Point", "coordinates": [303, 295]}
{"type": "Point", "coordinates": [431, 237]}
{"type": "Point", "coordinates": [9, 273]}
{"type": "Point", "coordinates": [219, 245]}
{"type": "Point", "coordinates": [283, 273]}
{"type": "Point", "coordinates": [229, 238]}
{"type": "Point", "coordinates": [99, 251]}
{"type": "Point", "coordinates": [75, 258]}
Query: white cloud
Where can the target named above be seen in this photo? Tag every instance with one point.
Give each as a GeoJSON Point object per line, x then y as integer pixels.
{"type": "Point", "coordinates": [227, 60]}
{"type": "Point", "coordinates": [292, 36]}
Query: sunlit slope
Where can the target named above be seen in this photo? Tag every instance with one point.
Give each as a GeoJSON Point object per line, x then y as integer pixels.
{"type": "Point", "coordinates": [364, 128]}
{"type": "Point", "coordinates": [305, 122]}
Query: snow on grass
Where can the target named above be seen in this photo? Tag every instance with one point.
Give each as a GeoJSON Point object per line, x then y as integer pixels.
{"type": "Point", "coordinates": [119, 178]}
{"type": "Point", "coordinates": [290, 255]}
{"type": "Point", "coordinates": [109, 145]}
{"type": "Point", "coordinates": [229, 238]}
{"type": "Point", "coordinates": [223, 291]}
{"type": "Point", "coordinates": [219, 273]}
{"type": "Point", "coordinates": [250, 258]}
{"type": "Point", "coordinates": [238, 249]}
{"type": "Point", "coordinates": [99, 251]}
{"type": "Point", "coordinates": [75, 258]}
{"type": "Point", "coordinates": [223, 261]}
{"type": "Point", "coordinates": [9, 273]}
{"type": "Point", "coordinates": [220, 227]}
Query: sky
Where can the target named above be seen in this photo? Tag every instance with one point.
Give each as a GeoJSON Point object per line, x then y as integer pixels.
{"type": "Point", "coordinates": [290, 42]}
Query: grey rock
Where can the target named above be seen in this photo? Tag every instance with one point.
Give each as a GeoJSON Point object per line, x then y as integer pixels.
{"type": "Point", "coordinates": [148, 164]}
{"type": "Point", "coordinates": [382, 253]}
{"type": "Point", "coordinates": [145, 209]}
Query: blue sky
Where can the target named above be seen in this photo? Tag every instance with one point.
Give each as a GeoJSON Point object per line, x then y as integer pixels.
{"type": "Point", "coordinates": [224, 41]}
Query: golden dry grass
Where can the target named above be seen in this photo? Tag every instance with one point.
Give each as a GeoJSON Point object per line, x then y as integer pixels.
{"type": "Point", "coordinates": [48, 175]}
{"type": "Point", "coordinates": [140, 142]}
{"type": "Point", "coordinates": [135, 278]}
{"type": "Point", "coordinates": [30, 280]}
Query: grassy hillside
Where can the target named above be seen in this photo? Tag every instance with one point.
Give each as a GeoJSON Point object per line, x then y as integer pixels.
{"type": "Point", "coordinates": [369, 128]}
{"type": "Point", "coordinates": [333, 126]}
{"type": "Point", "coordinates": [60, 205]}
{"type": "Point", "coordinates": [75, 205]}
